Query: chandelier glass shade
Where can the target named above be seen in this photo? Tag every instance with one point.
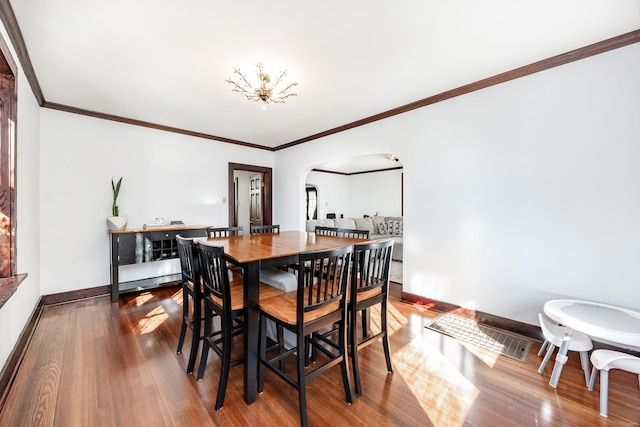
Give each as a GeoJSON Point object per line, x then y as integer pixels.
{"type": "Point", "coordinates": [262, 90]}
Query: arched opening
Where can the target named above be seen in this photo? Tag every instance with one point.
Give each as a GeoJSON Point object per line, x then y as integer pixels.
{"type": "Point", "coordinates": [362, 192]}
{"type": "Point", "coordinates": [358, 186]}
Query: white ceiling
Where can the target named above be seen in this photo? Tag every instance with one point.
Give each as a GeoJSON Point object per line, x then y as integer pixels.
{"type": "Point", "coordinates": [165, 62]}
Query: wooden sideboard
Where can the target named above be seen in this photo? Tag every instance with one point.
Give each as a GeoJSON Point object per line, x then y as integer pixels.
{"type": "Point", "coordinates": [144, 245]}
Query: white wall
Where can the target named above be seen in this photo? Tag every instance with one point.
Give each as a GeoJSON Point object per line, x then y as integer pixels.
{"type": "Point", "coordinates": [373, 192]}
{"type": "Point", "coordinates": [357, 195]}
{"type": "Point", "coordinates": [17, 310]}
{"type": "Point", "coordinates": [165, 175]}
{"type": "Point", "coordinates": [515, 194]}
{"type": "Point", "coordinates": [333, 193]}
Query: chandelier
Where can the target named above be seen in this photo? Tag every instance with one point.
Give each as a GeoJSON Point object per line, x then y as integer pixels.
{"type": "Point", "coordinates": [262, 91]}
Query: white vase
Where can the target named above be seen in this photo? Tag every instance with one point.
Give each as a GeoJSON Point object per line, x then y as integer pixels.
{"type": "Point", "coordinates": [116, 222]}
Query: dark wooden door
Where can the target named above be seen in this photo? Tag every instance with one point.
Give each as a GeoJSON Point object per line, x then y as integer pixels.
{"type": "Point", "coordinates": [255, 199]}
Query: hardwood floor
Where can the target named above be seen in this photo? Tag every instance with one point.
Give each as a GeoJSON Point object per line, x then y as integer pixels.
{"type": "Point", "coordinates": [92, 362]}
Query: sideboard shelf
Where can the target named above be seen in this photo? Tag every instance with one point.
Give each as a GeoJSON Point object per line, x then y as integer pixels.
{"type": "Point", "coordinates": [145, 245]}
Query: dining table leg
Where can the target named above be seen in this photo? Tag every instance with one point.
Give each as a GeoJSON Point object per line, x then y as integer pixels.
{"type": "Point", "coordinates": [251, 326]}
{"type": "Point", "coordinates": [561, 358]}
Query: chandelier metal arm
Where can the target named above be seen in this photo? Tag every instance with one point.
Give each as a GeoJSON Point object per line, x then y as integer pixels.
{"type": "Point", "coordinates": [262, 92]}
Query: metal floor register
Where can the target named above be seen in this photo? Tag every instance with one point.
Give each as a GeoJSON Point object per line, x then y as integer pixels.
{"type": "Point", "coordinates": [467, 330]}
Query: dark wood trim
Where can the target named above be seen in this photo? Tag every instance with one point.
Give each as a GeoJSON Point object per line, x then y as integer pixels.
{"type": "Point", "coordinates": [77, 295]}
{"type": "Point", "coordinates": [268, 193]}
{"type": "Point", "coordinates": [520, 328]}
{"type": "Point", "coordinates": [9, 285]}
{"type": "Point", "coordinates": [356, 173]}
{"type": "Point", "coordinates": [545, 64]}
{"type": "Point", "coordinates": [8, 18]}
{"type": "Point", "coordinates": [10, 370]}
{"type": "Point", "coordinates": [142, 123]}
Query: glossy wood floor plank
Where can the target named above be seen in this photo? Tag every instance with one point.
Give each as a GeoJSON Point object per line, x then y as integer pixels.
{"type": "Point", "coordinates": [96, 363]}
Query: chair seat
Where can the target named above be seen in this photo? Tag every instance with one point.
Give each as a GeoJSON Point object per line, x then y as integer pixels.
{"type": "Point", "coordinates": [579, 341]}
{"type": "Point", "coordinates": [365, 295]}
{"type": "Point", "coordinates": [237, 293]}
{"type": "Point", "coordinates": [283, 307]}
{"type": "Point", "coordinates": [610, 359]}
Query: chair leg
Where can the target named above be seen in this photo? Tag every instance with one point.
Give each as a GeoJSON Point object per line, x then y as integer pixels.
{"type": "Point", "coordinates": [195, 339]}
{"type": "Point", "coordinates": [365, 323]}
{"type": "Point", "coordinates": [185, 316]}
{"type": "Point", "coordinates": [208, 320]}
{"type": "Point", "coordinates": [302, 392]}
{"type": "Point", "coordinates": [385, 337]}
{"type": "Point", "coordinates": [584, 361]}
{"type": "Point", "coordinates": [263, 352]}
{"type": "Point", "coordinates": [344, 363]}
{"type": "Point", "coordinates": [353, 338]}
{"type": "Point", "coordinates": [592, 378]}
{"type": "Point", "coordinates": [542, 347]}
{"type": "Point", "coordinates": [604, 391]}
{"type": "Point", "coordinates": [547, 356]}
{"type": "Point", "coordinates": [280, 337]}
{"type": "Point", "coordinates": [227, 328]}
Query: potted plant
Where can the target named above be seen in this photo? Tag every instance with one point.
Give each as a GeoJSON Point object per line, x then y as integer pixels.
{"type": "Point", "coordinates": [116, 222]}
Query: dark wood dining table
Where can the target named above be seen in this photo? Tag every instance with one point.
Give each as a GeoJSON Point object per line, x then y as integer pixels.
{"type": "Point", "coordinates": [253, 252]}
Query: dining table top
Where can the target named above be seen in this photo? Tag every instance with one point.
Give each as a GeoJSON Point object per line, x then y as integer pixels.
{"type": "Point", "coordinates": [257, 247]}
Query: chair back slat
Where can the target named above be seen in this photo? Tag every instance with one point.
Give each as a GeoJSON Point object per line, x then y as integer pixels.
{"type": "Point", "coordinates": [215, 276]}
{"type": "Point", "coordinates": [323, 278]}
{"type": "Point", "coordinates": [354, 234]}
{"type": "Point", "coordinates": [371, 266]}
{"type": "Point", "coordinates": [225, 231]}
{"type": "Point", "coordinates": [259, 229]}
{"type": "Point", "coordinates": [326, 231]}
{"type": "Point", "coordinates": [189, 262]}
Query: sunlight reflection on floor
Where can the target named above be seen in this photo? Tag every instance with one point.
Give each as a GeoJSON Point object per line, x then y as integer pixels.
{"type": "Point", "coordinates": [444, 392]}
{"type": "Point", "coordinates": [152, 320]}
{"type": "Point", "coordinates": [445, 395]}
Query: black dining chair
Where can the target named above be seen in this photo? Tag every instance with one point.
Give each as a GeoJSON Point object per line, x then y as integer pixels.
{"type": "Point", "coordinates": [318, 302]}
{"type": "Point", "coordinates": [369, 287]}
{"type": "Point", "coordinates": [191, 297]}
{"type": "Point", "coordinates": [224, 297]}
{"type": "Point", "coordinates": [259, 229]}
{"type": "Point", "coordinates": [225, 231]}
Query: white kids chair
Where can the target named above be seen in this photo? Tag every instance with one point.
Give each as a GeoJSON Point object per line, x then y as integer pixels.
{"type": "Point", "coordinates": [554, 334]}
{"type": "Point", "coordinates": [603, 361]}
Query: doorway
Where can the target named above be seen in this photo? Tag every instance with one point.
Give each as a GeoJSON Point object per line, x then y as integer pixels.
{"type": "Point", "coordinates": [250, 195]}
{"type": "Point", "coordinates": [312, 202]}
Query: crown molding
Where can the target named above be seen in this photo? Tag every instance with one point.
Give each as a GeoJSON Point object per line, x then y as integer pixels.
{"type": "Point", "coordinates": [545, 64]}
{"type": "Point", "coordinates": [15, 35]}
